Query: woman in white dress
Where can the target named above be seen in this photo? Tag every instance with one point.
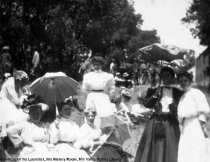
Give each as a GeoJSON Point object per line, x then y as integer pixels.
{"type": "Point", "coordinates": [93, 140]}
{"type": "Point", "coordinates": [99, 85]}
{"type": "Point", "coordinates": [32, 138]}
{"type": "Point", "coordinates": [89, 135]}
{"type": "Point", "coordinates": [65, 132]}
{"type": "Point", "coordinates": [11, 99]}
{"type": "Point", "coordinates": [192, 105]}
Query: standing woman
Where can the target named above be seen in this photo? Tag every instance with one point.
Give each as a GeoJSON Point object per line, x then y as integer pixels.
{"type": "Point", "coordinates": [99, 84]}
{"type": "Point", "coordinates": [159, 141]}
{"type": "Point", "coordinates": [192, 106]}
{"type": "Point", "coordinates": [12, 98]}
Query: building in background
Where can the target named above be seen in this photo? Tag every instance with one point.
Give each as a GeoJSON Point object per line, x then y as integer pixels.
{"type": "Point", "coordinates": [192, 70]}
{"type": "Point", "coordinates": [202, 67]}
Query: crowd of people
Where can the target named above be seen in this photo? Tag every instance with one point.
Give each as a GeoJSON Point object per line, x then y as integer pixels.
{"type": "Point", "coordinates": [174, 132]}
{"type": "Point", "coordinates": [138, 73]}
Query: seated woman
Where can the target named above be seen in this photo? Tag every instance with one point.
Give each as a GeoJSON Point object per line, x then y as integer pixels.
{"type": "Point", "coordinates": [12, 97]}
{"type": "Point", "coordinates": [93, 141]}
{"type": "Point", "coordinates": [89, 135]}
{"type": "Point", "coordinates": [32, 137]}
{"type": "Point", "coordinates": [66, 131]}
{"type": "Point", "coordinates": [121, 109]}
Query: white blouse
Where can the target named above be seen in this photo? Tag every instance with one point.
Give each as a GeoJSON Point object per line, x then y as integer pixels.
{"type": "Point", "coordinates": [88, 134]}
{"type": "Point", "coordinates": [192, 103]}
{"type": "Point", "coordinates": [98, 81]}
{"type": "Point", "coordinates": [64, 130]}
{"type": "Point", "coordinates": [27, 133]}
{"type": "Point", "coordinates": [166, 99]}
{"type": "Point", "coordinates": [8, 91]}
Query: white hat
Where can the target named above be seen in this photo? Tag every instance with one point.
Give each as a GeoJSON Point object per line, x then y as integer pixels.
{"type": "Point", "coordinates": [125, 74]}
{"type": "Point", "coordinates": [6, 48]}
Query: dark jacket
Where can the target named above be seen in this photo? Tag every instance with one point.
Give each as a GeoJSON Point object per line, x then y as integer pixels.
{"type": "Point", "coordinates": [152, 102]}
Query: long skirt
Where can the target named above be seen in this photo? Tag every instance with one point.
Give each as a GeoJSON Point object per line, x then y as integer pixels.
{"type": "Point", "coordinates": [110, 153]}
{"type": "Point", "coordinates": [193, 146]}
{"type": "Point", "coordinates": [164, 149]}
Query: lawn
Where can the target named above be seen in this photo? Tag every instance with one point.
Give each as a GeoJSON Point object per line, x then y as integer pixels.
{"type": "Point", "coordinates": [131, 144]}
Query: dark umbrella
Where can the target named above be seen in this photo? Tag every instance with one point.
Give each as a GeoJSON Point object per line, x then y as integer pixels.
{"type": "Point", "coordinates": [54, 87]}
{"type": "Point", "coordinates": [158, 51]}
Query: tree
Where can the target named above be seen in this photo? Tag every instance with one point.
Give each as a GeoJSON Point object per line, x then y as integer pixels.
{"type": "Point", "coordinates": [199, 14]}
{"type": "Point", "coordinates": [72, 28]}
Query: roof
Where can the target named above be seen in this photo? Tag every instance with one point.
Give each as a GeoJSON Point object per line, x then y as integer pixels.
{"type": "Point", "coordinates": [204, 53]}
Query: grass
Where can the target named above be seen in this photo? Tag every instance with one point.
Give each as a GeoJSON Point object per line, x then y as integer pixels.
{"type": "Point", "coordinates": [130, 145]}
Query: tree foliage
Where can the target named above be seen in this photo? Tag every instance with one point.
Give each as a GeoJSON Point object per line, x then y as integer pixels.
{"type": "Point", "coordinates": [199, 14]}
{"type": "Point", "coordinates": [71, 28]}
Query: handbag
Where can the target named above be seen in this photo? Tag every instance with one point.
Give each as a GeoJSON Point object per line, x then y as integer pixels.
{"type": "Point", "coordinates": [159, 129]}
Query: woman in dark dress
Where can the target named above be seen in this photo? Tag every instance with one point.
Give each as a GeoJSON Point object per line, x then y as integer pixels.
{"type": "Point", "coordinates": [159, 142]}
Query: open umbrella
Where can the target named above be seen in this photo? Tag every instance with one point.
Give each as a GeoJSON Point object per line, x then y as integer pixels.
{"type": "Point", "coordinates": [120, 129]}
{"type": "Point", "coordinates": [159, 51]}
{"type": "Point", "coordinates": [54, 87]}
{"type": "Point", "coordinates": [117, 130]}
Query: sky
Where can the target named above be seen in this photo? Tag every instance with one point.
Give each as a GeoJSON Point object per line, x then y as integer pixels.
{"type": "Point", "coordinates": [165, 16]}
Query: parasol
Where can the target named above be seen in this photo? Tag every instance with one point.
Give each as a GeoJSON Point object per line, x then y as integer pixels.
{"type": "Point", "coordinates": [159, 51]}
{"type": "Point", "coordinates": [54, 87]}
{"type": "Point", "coordinates": [120, 129]}
{"type": "Point", "coordinates": [117, 130]}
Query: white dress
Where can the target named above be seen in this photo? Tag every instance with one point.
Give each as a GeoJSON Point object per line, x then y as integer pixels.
{"type": "Point", "coordinates": [192, 144]}
{"type": "Point", "coordinates": [99, 85]}
{"type": "Point", "coordinates": [36, 140]}
{"type": "Point", "coordinates": [64, 135]}
{"type": "Point", "coordinates": [87, 135]}
{"type": "Point", "coordinates": [8, 100]}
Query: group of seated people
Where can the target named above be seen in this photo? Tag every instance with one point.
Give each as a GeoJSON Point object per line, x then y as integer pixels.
{"type": "Point", "coordinates": [62, 138]}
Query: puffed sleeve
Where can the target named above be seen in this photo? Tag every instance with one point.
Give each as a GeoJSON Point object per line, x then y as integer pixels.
{"type": "Point", "coordinates": [201, 102]}
{"type": "Point", "coordinates": [85, 86]}
{"type": "Point", "coordinates": [110, 85]}
{"type": "Point", "coordinates": [14, 133]}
